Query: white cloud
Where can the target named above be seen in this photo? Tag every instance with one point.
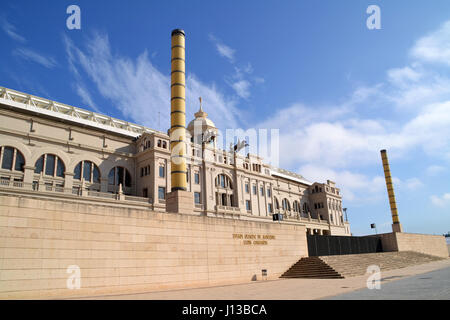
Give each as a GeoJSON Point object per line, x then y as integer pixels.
{"type": "Point", "coordinates": [407, 114]}
{"type": "Point", "coordinates": [413, 183]}
{"type": "Point", "coordinates": [434, 170]}
{"type": "Point", "coordinates": [242, 88]}
{"type": "Point", "coordinates": [139, 90]}
{"type": "Point", "coordinates": [435, 47]}
{"type": "Point", "coordinates": [86, 96]}
{"type": "Point", "coordinates": [343, 135]}
{"type": "Point", "coordinates": [10, 30]}
{"type": "Point", "coordinates": [403, 76]}
{"type": "Point", "coordinates": [223, 49]}
{"type": "Point", "coordinates": [355, 187]}
{"type": "Point", "coordinates": [441, 201]}
{"type": "Point", "coordinates": [31, 55]}
{"type": "Point", "coordinates": [316, 136]}
{"type": "Point", "coordinates": [240, 81]}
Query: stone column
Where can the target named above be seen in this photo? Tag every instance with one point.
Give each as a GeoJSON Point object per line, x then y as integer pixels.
{"type": "Point", "coordinates": [104, 185]}
{"type": "Point", "coordinates": [68, 182]}
{"type": "Point", "coordinates": [28, 175]}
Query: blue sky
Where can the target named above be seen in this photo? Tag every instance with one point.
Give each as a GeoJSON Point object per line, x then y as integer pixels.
{"type": "Point", "coordinates": [337, 91]}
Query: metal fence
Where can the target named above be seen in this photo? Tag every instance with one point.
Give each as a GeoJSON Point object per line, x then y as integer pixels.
{"type": "Point", "coordinates": [339, 245]}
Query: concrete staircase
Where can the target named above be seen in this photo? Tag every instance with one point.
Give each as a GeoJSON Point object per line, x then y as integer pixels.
{"type": "Point", "coordinates": [344, 266]}
{"type": "Point", "coordinates": [311, 267]}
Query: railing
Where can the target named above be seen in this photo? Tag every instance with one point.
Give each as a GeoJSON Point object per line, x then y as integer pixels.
{"type": "Point", "coordinates": [60, 110]}
{"type": "Point", "coordinates": [139, 199]}
{"type": "Point", "coordinates": [54, 188]}
{"type": "Point", "coordinates": [92, 193]}
{"type": "Point", "coordinates": [76, 191]}
{"type": "Point", "coordinates": [11, 183]}
{"type": "Point", "coordinates": [227, 209]}
{"type": "Point", "coordinates": [291, 215]}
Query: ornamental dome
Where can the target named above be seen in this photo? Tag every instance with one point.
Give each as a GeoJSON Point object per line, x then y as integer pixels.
{"type": "Point", "coordinates": [201, 119]}
{"type": "Point", "coordinates": [201, 128]}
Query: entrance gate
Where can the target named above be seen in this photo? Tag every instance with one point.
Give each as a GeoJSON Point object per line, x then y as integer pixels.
{"type": "Point", "coordinates": [319, 245]}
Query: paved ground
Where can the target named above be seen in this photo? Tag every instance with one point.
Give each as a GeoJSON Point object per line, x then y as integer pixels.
{"type": "Point", "coordinates": [295, 289]}
{"type": "Point", "coordinates": [433, 285]}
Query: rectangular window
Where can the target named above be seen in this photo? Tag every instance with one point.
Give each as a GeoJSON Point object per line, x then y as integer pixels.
{"type": "Point", "coordinates": [197, 197]}
{"type": "Point", "coordinates": [161, 171]}
{"type": "Point", "coordinates": [77, 172]}
{"type": "Point", "coordinates": [119, 175]}
{"type": "Point", "coordinates": [111, 176]}
{"type": "Point", "coordinates": [60, 169]}
{"type": "Point", "coordinates": [268, 192]}
{"type": "Point", "coordinates": [39, 165]}
{"type": "Point", "coordinates": [8, 154]}
{"type": "Point", "coordinates": [197, 178]}
{"type": "Point", "coordinates": [87, 171]}
{"type": "Point", "coordinates": [50, 165]}
{"type": "Point", "coordinates": [246, 188]}
{"type": "Point", "coordinates": [248, 205]}
{"type": "Point", "coordinates": [20, 162]}
{"type": "Point", "coordinates": [96, 175]}
{"type": "Point", "coordinates": [254, 189]}
{"type": "Point", "coordinates": [161, 193]}
{"type": "Point", "coordinates": [262, 191]}
{"type": "Point", "coordinates": [270, 208]}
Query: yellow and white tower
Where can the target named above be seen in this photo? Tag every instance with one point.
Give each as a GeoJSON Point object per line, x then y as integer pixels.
{"type": "Point", "coordinates": [179, 199]}
{"type": "Point", "coordinates": [177, 130]}
{"type": "Point", "coordinates": [396, 226]}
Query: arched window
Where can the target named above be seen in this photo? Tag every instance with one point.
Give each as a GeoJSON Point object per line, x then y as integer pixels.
{"type": "Point", "coordinates": [296, 206]}
{"type": "Point", "coordinates": [88, 170]}
{"type": "Point", "coordinates": [51, 165]}
{"type": "Point", "coordinates": [277, 204]}
{"type": "Point", "coordinates": [119, 175]}
{"type": "Point", "coordinates": [11, 159]}
{"type": "Point", "coordinates": [224, 181]}
{"type": "Point", "coordinates": [285, 204]}
{"type": "Point", "coordinates": [224, 195]}
{"type": "Point", "coordinates": [305, 208]}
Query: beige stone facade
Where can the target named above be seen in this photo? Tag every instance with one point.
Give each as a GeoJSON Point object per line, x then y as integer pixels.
{"type": "Point", "coordinates": [59, 148]}
{"type": "Point", "coordinates": [84, 190]}
{"type": "Point", "coordinates": [122, 248]}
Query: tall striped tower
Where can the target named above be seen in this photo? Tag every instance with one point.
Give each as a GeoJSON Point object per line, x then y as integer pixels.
{"type": "Point", "coordinates": [396, 226]}
{"type": "Point", "coordinates": [179, 200]}
{"type": "Point", "coordinates": [178, 112]}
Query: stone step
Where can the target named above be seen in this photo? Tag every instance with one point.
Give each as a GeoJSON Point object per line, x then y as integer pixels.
{"type": "Point", "coordinates": [318, 276]}
{"type": "Point", "coordinates": [354, 265]}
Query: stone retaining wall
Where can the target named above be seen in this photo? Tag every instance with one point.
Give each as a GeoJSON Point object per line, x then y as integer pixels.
{"type": "Point", "coordinates": [123, 250]}
{"type": "Point", "coordinates": [423, 243]}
